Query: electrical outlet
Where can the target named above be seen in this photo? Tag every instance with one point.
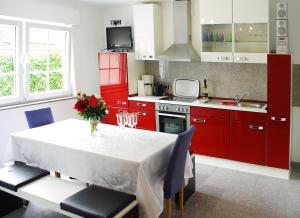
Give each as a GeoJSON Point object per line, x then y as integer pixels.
{"type": "Point", "coordinates": [115, 22]}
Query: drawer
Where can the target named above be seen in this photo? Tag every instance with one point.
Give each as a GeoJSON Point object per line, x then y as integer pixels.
{"type": "Point", "coordinates": [210, 112]}
{"type": "Point", "coordinates": [116, 98]}
{"type": "Point", "coordinates": [248, 116]}
{"type": "Point", "coordinates": [146, 119]}
{"type": "Point", "coordinates": [141, 105]}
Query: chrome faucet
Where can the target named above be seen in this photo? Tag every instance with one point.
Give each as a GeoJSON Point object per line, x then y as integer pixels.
{"type": "Point", "coordinates": [238, 98]}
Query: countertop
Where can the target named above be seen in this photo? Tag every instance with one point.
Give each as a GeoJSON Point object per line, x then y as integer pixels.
{"type": "Point", "coordinates": [197, 103]}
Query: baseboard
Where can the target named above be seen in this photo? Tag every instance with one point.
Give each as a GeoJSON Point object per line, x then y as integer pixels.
{"type": "Point", "coordinates": [244, 167]}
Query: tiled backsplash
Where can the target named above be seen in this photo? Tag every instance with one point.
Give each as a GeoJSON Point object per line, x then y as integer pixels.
{"type": "Point", "coordinates": [224, 79]}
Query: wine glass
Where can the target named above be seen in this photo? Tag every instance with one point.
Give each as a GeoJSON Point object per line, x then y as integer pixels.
{"type": "Point", "coordinates": [135, 119]}
{"type": "Point", "coordinates": [131, 120]}
{"type": "Point", "coordinates": [120, 119]}
{"type": "Point", "coordinates": [125, 118]}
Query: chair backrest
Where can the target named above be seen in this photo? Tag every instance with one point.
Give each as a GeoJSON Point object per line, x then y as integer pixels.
{"type": "Point", "coordinates": [40, 117]}
{"type": "Point", "coordinates": [175, 172]}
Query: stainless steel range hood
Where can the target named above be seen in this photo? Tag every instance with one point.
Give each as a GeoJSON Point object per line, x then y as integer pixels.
{"type": "Point", "coordinates": [182, 49]}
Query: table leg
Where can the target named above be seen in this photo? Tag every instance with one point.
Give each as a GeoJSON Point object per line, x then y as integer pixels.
{"type": "Point", "coordinates": [168, 207]}
{"type": "Point", "coordinates": [181, 200]}
{"type": "Point", "coordinates": [57, 174]}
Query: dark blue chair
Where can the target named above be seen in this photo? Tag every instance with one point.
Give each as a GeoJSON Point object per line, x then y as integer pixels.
{"type": "Point", "coordinates": [40, 117]}
{"type": "Point", "coordinates": [174, 179]}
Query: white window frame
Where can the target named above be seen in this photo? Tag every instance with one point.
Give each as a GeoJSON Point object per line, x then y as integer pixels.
{"type": "Point", "coordinates": [19, 95]}
{"type": "Point", "coordinates": [67, 78]}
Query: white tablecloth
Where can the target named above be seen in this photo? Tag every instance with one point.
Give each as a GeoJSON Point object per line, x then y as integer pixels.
{"type": "Point", "coordinates": [130, 160]}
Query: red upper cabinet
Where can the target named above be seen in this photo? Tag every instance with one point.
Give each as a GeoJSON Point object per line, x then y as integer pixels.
{"type": "Point", "coordinates": [212, 132]}
{"type": "Point", "coordinates": [112, 70]}
{"type": "Point", "coordinates": [279, 110]}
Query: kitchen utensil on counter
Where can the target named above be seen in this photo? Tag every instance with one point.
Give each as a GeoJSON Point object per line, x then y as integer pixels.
{"type": "Point", "coordinates": [148, 84]}
{"type": "Point", "coordinates": [160, 88]}
{"type": "Point", "coordinates": [187, 88]}
{"type": "Point", "coordinates": [141, 88]}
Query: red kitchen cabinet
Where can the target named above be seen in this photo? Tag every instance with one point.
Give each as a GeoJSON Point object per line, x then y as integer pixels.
{"type": "Point", "coordinates": [113, 83]}
{"type": "Point", "coordinates": [142, 105]}
{"type": "Point", "coordinates": [279, 110]}
{"type": "Point", "coordinates": [112, 70]}
{"type": "Point", "coordinates": [116, 98]}
{"type": "Point", "coordinates": [111, 118]}
{"type": "Point", "coordinates": [212, 132]}
{"type": "Point", "coordinates": [248, 137]}
{"type": "Point", "coordinates": [146, 119]}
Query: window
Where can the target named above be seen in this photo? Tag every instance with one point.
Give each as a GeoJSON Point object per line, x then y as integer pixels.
{"type": "Point", "coordinates": [9, 70]}
{"type": "Point", "coordinates": [46, 62]}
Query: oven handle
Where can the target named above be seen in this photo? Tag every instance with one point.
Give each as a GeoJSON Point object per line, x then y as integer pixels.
{"type": "Point", "coordinates": [172, 115]}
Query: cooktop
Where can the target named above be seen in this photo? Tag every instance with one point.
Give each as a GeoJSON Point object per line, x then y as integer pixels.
{"type": "Point", "coordinates": [179, 99]}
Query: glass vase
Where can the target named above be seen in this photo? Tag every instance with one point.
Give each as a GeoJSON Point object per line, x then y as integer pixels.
{"type": "Point", "coordinates": [93, 125]}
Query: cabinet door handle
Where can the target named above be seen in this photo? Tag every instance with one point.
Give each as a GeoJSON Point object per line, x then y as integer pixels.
{"type": "Point", "coordinates": [141, 105]}
{"type": "Point", "coordinates": [256, 127]}
{"type": "Point", "coordinates": [280, 119]}
{"type": "Point", "coordinates": [141, 113]}
{"type": "Point", "coordinates": [223, 58]}
{"type": "Point", "coordinates": [199, 120]}
{"type": "Point", "coordinates": [242, 58]}
{"type": "Point", "coordinates": [121, 102]}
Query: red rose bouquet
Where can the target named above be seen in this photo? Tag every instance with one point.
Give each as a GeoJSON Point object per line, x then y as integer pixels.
{"type": "Point", "coordinates": [90, 107]}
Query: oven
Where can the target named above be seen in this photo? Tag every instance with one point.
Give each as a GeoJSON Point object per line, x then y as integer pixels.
{"type": "Point", "coordinates": [172, 118]}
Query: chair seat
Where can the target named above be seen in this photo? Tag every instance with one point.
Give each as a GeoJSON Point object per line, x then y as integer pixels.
{"type": "Point", "coordinates": [95, 201]}
{"type": "Point", "coordinates": [18, 175]}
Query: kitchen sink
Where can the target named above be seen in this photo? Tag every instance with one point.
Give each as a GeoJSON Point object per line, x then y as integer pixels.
{"type": "Point", "coordinates": [251, 105]}
{"type": "Point", "coordinates": [238, 104]}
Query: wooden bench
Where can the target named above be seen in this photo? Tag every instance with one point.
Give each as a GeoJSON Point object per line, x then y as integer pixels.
{"type": "Point", "coordinates": [65, 197]}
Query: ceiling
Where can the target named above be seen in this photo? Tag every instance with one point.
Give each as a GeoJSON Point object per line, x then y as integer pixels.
{"type": "Point", "coordinates": [117, 2]}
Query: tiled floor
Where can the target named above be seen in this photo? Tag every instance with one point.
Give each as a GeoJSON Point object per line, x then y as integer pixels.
{"type": "Point", "coordinates": [225, 193]}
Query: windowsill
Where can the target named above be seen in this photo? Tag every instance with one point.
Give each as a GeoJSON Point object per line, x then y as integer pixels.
{"type": "Point", "coordinates": [25, 104]}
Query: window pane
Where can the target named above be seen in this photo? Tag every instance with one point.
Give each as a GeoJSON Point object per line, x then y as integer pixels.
{"type": "Point", "coordinates": [7, 62]}
{"type": "Point", "coordinates": [38, 62]}
{"type": "Point", "coordinates": [38, 82]}
{"type": "Point", "coordinates": [57, 40]}
{"type": "Point", "coordinates": [7, 84]}
{"type": "Point", "coordinates": [47, 59]}
{"type": "Point", "coordinates": [55, 62]}
{"type": "Point", "coordinates": [56, 80]}
{"type": "Point", "coordinates": [7, 37]}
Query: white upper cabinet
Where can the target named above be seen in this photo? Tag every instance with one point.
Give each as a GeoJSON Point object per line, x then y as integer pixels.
{"type": "Point", "coordinates": [250, 11]}
{"type": "Point", "coordinates": [216, 11]}
{"type": "Point", "coordinates": [147, 31]}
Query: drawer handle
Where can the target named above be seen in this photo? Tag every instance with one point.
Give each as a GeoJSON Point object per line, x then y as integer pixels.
{"type": "Point", "coordinates": [199, 121]}
{"type": "Point", "coordinates": [142, 113]}
{"type": "Point", "coordinates": [223, 58]}
{"type": "Point", "coordinates": [141, 105]}
{"type": "Point", "coordinates": [242, 58]}
{"type": "Point", "coordinates": [280, 119]}
{"type": "Point", "coordinates": [122, 111]}
{"type": "Point", "coordinates": [256, 127]}
{"type": "Point", "coordinates": [122, 102]}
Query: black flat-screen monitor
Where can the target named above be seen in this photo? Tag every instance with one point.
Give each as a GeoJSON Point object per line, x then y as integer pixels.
{"type": "Point", "coordinates": [119, 38]}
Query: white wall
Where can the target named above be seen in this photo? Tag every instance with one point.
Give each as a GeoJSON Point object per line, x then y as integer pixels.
{"type": "Point", "coordinates": [88, 39]}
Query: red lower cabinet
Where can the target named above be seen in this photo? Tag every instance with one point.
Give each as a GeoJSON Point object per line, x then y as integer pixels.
{"type": "Point", "coordinates": [146, 119]}
{"type": "Point", "coordinates": [111, 118]}
{"type": "Point", "coordinates": [278, 149]}
{"type": "Point", "coordinates": [211, 137]}
{"type": "Point", "coordinates": [248, 142]}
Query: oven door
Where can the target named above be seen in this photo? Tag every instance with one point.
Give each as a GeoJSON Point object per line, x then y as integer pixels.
{"type": "Point", "coordinates": [172, 122]}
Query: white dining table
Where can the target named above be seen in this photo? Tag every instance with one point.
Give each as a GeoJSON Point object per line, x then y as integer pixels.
{"type": "Point", "coordinates": [129, 160]}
